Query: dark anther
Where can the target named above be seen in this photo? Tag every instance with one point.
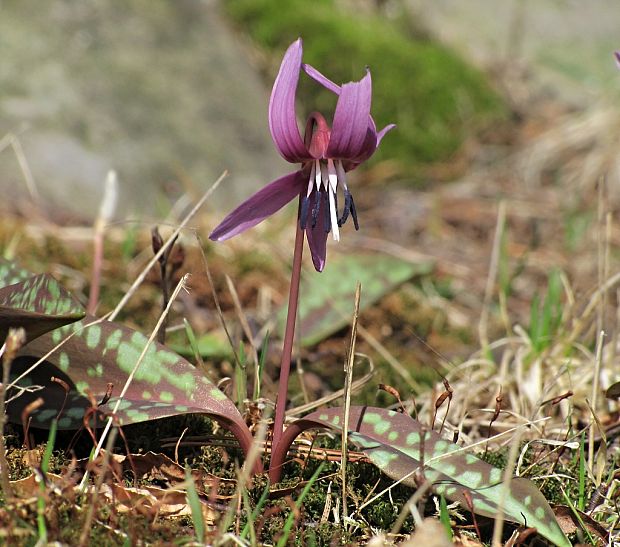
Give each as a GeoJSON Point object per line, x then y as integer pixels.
{"type": "Point", "coordinates": [347, 206]}
{"type": "Point", "coordinates": [316, 207]}
{"type": "Point", "coordinates": [336, 205]}
{"type": "Point", "coordinates": [354, 214]}
{"type": "Point", "coordinates": [327, 218]}
{"type": "Point", "coordinates": [303, 213]}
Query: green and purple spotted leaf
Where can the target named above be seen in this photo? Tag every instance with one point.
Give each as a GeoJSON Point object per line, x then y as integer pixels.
{"type": "Point", "coordinates": [11, 273]}
{"type": "Point", "coordinates": [92, 354]}
{"type": "Point", "coordinates": [325, 301]}
{"type": "Point", "coordinates": [35, 302]}
{"type": "Point", "coordinates": [94, 358]}
{"type": "Point", "coordinates": [393, 442]}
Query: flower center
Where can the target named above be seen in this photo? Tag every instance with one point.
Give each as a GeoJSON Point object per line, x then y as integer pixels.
{"type": "Point", "coordinates": [325, 174]}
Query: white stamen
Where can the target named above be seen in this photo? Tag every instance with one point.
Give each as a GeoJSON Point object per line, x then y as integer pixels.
{"type": "Point", "coordinates": [324, 175]}
{"type": "Point", "coordinates": [333, 177]}
{"type": "Point", "coordinates": [311, 181]}
{"type": "Point", "coordinates": [341, 176]}
{"type": "Point", "coordinates": [334, 218]}
{"type": "Point", "coordinates": [333, 185]}
{"type": "Point", "coordinates": [317, 174]}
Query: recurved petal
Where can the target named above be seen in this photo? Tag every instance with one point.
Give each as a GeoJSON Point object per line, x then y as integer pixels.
{"type": "Point", "coordinates": [351, 119]}
{"type": "Point", "coordinates": [384, 132]}
{"type": "Point", "coordinates": [282, 118]}
{"type": "Point", "coordinates": [257, 208]}
{"type": "Point", "coordinates": [317, 237]}
{"type": "Point", "coordinates": [318, 77]}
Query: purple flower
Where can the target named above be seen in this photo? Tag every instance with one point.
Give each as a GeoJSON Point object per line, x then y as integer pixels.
{"type": "Point", "coordinates": [325, 155]}
{"type": "Point", "coordinates": [617, 54]}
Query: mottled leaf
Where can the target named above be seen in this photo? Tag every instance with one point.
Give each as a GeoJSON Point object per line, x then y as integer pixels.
{"type": "Point", "coordinates": [11, 273]}
{"type": "Point", "coordinates": [101, 353]}
{"type": "Point", "coordinates": [325, 299]}
{"type": "Point", "coordinates": [38, 304]}
{"type": "Point", "coordinates": [393, 441]}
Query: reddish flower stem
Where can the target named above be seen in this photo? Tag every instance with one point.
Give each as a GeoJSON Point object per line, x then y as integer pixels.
{"type": "Point", "coordinates": [287, 347]}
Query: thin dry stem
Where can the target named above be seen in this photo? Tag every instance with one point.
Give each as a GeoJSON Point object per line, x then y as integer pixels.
{"type": "Point", "coordinates": [243, 321]}
{"type": "Point", "coordinates": [90, 513]}
{"type": "Point", "coordinates": [181, 285]}
{"type": "Point", "coordinates": [594, 396]}
{"type": "Point", "coordinates": [348, 376]}
{"type": "Point", "coordinates": [106, 211]}
{"type": "Point", "coordinates": [12, 140]}
{"type": "Point", "coordinates": [355, 387]}
{"type": "Point", "coordinates": [513, 454]}
{"type": "Point", "coordinates": [492, 277]}
{"type": "Point", "coordinates": [216, 301]}
{"type": "Point", "coordinates": [164, 247]}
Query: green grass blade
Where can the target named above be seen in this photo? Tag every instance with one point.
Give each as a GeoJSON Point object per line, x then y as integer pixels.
{"type": "Point", "coordinates": [193, 343]}
{"type": "Point", "coordinates": [258, 376]}
{"type": "Point", "coordinates": [45, 462]}
{"type": "Point", "coordinates": [581, 503]}
{"type": "Point", "coordinates": [286, 530]}
{"type": "Point", "coordinates": [444, 516]}
{"type": "Point", "coordinates": [195, 506]}
{"type": "Point", "coordinates": [254, 515]}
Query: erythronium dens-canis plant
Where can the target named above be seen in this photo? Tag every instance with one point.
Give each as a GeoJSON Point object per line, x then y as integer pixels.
{"type": "Point", "coordinates": [326, 154]}
{"type": "Point", "coordinates": [93, 357]}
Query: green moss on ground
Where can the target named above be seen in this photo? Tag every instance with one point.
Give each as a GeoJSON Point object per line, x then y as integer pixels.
{"type": "Point", "coordinates": [436, 98]}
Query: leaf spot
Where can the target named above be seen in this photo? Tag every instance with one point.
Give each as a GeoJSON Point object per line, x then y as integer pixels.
{"type": "Point", "coordinates": [63, 361]}
{"type": "Point", "coordinates": [93, 335]}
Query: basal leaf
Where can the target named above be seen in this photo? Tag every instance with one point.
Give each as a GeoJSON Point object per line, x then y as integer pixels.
{"type": "Point", "coordinates": [100, 353]}
{"type": "Point", "coordinates": [11, 273]}
{"type": "Point", "coordinates": [325, 300]}
{"type": "Point", "coordinates": [38, 304]}
{"type": "Point", "coordinates": [393, 442]}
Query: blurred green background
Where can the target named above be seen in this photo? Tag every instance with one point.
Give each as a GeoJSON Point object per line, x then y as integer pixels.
{"type": "Point", "coordinates": [172, 93]}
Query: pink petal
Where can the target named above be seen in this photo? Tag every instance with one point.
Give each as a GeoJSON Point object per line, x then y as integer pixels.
{"type": "Point", "coordinates": [317, 236]}
{"type": "Point", "coordinates": [351, 124]}
{"type": "Point", "coordinates": [383, 132]}
{"type": "Point", "coordinates": [318, 77]}
{"type": "Point", "coordinates": [264, 203]}
{"type": "Point", "coordinates": [282, 117]}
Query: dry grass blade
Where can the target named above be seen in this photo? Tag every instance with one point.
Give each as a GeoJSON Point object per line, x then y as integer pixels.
{"type": "Point", "coordinates": [595, 389]}
{"type": "Point", "coordinates": [84, 536]}
{"type": "Point", "coordinates": [11, 139]}
{"type": "Point", "coordinates": [138, 281]}
{"type": "Point", "coordinates": [492, 276]}
{"type": "Point", "coordinates": [106, 211]}
{"type": "Point", "coordinates": [513, 454]}
{"type": "Point", "coordinates": [355, 387]}
{"type": "Point", "coordinates": [181, 285]}
{"type": "Point", "coordinates": [242, 318]}
{"type": "Point", "coordinates": [216, 301]}
{"type": "Point", "coordinates": [348, 376]}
